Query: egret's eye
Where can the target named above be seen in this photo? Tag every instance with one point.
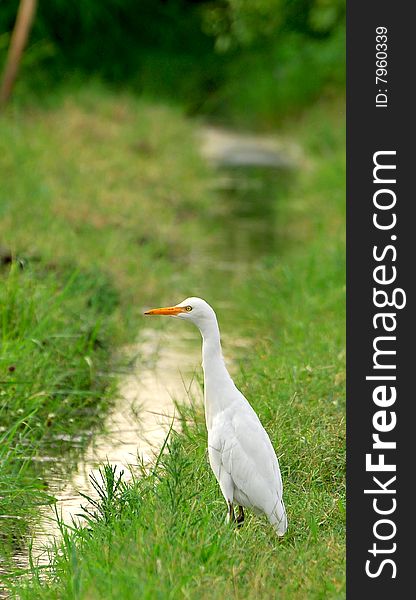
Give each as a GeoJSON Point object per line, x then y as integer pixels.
{"type": "Point", "coordinates": [188, 308]}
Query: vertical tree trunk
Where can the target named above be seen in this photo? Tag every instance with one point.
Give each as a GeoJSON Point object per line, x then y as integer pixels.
{"type": "Point", "coordinates": [24, 20]}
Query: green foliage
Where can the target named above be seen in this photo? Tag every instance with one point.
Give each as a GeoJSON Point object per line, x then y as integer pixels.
{"type": "Point", "coordinates": [267, 84]}
{"type": "Point", "coordinates": [247, 61]}
{"type": "Point", "coordinates": [150, 46]}
{"type": "Point", "coordinates": [244, 22]}
{"type": "Point", "coordinates": [46, 338]}
{"type": "Point", "coordinates": [109, 490]}
{"type": "Point", "coordinates": [240, 23]}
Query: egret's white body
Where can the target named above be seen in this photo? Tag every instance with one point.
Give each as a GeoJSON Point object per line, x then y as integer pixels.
{"type": "Point", "coordinates": [240, 451]}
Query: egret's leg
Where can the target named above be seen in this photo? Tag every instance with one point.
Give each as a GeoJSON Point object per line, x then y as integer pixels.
{"type": "Point", "coordinates": [240, 516]}
{"type": "Point", "coordinates": [230, 513]}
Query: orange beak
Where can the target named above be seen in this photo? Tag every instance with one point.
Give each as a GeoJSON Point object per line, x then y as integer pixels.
{"type": "Point", "coordinates": [170, 311]}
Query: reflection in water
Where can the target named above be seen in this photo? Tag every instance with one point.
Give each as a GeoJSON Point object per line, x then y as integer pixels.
{"type": "Point", "coordinates": [253, 172]}
{"type": "Point", "coordinates": [246, 220]}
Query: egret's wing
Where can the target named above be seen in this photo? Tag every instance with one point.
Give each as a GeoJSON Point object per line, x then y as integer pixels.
{"type": "Point", "coordinates": [250, 459]}
{"type": "Point", "coordinates": [245, 464]}
{"type": "Point", "coordinates": [216, 442]}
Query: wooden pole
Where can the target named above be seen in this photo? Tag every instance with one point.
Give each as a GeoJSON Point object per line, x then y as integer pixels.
{"type": "Point", "coordinates": [24, 20]}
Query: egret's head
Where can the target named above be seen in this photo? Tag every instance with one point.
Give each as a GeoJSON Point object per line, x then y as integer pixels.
{"type": "Point", "coordinates": [192, 309]}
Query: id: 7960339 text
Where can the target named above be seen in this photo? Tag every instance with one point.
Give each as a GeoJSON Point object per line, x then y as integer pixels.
{"type": "Point", "coordinates": [381, 67]}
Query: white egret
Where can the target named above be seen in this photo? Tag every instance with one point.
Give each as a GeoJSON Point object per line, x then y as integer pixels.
{"type": "Point", "coordinates": [240, 451]}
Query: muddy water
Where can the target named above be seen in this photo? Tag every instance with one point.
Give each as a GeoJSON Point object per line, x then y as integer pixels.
{"type": "Point", "coordinates": [135, 427]}
{"type": "Point", "coordinates": [242, 229]}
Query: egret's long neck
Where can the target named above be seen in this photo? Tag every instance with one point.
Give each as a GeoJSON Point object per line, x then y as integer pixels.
{"type": "Point", "coordinates": [217, 380]}
{"type": "Point", "coordinates": [212, 359]}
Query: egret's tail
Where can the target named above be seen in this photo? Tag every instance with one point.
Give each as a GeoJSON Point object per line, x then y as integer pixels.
{"type": "Point", "coordinates": [278, 518]}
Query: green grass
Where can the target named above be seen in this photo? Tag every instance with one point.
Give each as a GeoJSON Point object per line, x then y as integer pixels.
{"type": "Point", "coordinates": [52, 353]}
{"type": "Point", "coordinates": [119, 199]}
{"type": "Point", "coordinates": [129, 206]}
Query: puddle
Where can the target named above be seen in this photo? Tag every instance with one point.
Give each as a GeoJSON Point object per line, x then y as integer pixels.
{"type": "Point", "coordinates": [252, 172]}
{"type": "Point", "coordinates": [227, 148]}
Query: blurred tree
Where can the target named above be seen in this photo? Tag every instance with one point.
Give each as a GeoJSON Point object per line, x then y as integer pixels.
{"type": "Point", "coordinates": [220, 57]}
{"type": "Point", "coordinates": [235, 22]}
{"type": "Point", "coordinates": [24, 20]}
{"type": "Point", "coordinates": [243, 22]}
